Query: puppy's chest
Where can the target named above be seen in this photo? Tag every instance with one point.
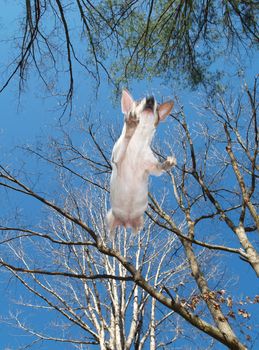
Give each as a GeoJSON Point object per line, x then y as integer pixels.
{"type": "Point", "coordinates": [139, 147]}
{"type": "Point", "coordinates": [136, 157]}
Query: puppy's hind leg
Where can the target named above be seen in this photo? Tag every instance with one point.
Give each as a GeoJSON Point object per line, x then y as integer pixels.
{"type": "Point", "coordinates": [112, 223]}
{"type": "Point", "coordinates": [137, 224]}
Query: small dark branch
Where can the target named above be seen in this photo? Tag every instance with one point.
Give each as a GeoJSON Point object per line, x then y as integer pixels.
{"type": "Point", "coordinates": [252, 100]}
{"type": "Point", "coordinates": [189, 139]}
{"type": "Point", "coordinates": [250, 229]}
{"type": "Point", "coordinates": [168, 292]}
{"type": "Point", "coordinates": [212, 215]}
{"type": "Point", "coordinates": [31, 233]}
{"type": "Point", "coordinates": [99, 147]}
{"type": "Point", "coordinates": [68, 45]}
{"type": "Point", "coordinates": [65, 274]}
{"type": "Point", "coordinates": [174, 229]}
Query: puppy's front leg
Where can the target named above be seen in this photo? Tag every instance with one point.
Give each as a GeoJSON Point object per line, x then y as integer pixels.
{"type": "Point", "coordinates": [119, 150]}
{"type": "Point", "coordinates": [131, 123]}
{"type": "Point", "coordinates": [158, 168]}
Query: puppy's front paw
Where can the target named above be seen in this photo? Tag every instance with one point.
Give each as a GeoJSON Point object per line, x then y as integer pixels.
{"type": "Point", "coordinates": [169, 163]}
{"type": "Point", "coordinates": [171, 160]}
{"type": "Point", "coordinates": [132, 120]}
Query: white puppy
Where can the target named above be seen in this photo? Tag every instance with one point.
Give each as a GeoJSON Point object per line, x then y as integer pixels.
{"type": "Point", "coordinates": [133, 161]}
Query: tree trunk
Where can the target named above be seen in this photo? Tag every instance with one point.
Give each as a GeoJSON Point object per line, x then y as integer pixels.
{"type": "Point", "coordinates": [218, 317]}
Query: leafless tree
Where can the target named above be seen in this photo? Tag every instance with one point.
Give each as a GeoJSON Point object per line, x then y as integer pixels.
{"type": "Point", "coordinates": [233, 148]}
{"type": "Point", "coordinates": [125, 293]}
{"type": "Point", "coordinates": [94, 293]}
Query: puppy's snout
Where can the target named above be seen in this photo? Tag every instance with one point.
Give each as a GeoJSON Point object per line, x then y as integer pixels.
{"type": "Point", "coordinates": [150, 101]}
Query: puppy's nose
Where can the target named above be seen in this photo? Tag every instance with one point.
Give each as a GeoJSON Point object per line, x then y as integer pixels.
{"type": "Point", "coordinates": [150, 101]}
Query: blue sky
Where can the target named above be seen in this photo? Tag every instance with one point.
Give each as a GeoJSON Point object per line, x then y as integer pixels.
{"type": "Point", "coordinates": [36, 118]}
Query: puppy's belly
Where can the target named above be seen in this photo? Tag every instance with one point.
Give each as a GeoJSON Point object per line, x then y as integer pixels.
{"type": "Point", "coordinates": [128, 200]}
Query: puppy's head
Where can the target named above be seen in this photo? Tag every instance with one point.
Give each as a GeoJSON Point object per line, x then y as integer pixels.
{"type": "Point", "coordinates": [147, 111]}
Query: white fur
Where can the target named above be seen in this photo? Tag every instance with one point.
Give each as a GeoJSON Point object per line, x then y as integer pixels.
{"type": "Point", "coordinates": [132, 163]}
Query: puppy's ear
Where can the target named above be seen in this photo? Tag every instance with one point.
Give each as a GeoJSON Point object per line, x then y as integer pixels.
{"type": "Point", "coordinates": [164, 109]}
{"type": "Point", "coordinates": [126, 101]}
